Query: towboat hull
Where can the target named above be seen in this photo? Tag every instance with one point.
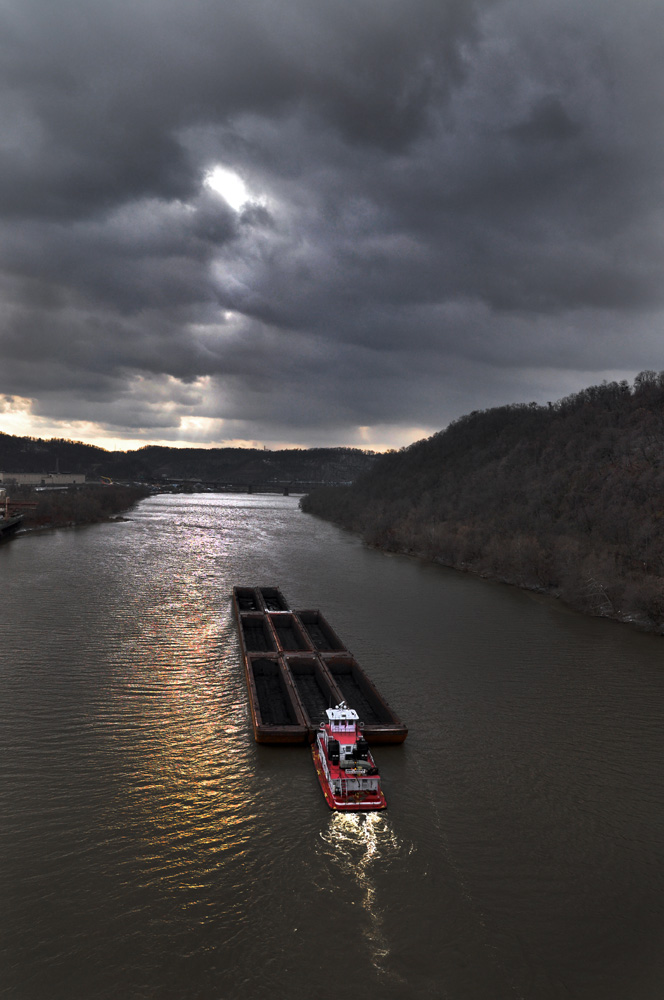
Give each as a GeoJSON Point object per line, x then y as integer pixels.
{"type": "Point", "coordinates": [344, 764]}
{"type": "Point", "coordinates": [354, 802]}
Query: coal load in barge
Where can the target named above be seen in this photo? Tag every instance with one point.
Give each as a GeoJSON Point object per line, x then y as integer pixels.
{"type": "Point", "coordinates": [315, 672]}
{"type": "Point", "coordinates": [259, 599]}
{"type": "Point", "coordinates": [289, 633]}
{"type": "Point", "coordinates": [256, 634]}
{"type": "Point", "coordinates": [276, 716]}
{"type": "Point", "coordinates": [379, 722]}
{"type": "Point", "coordinates": [272, 599]}
{"type": "Point", "coordinates": [275, 710]}
{"type": "Point", "coordinates": [314, 686]}
{"type": "Point", "coordinates": [321, 635]}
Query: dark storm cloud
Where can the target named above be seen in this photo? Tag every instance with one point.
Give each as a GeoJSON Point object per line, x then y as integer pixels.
{"type": "Point", "coordinates": [452, 204]}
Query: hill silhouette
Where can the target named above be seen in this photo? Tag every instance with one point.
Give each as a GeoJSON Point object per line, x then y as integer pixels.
{"type": "Point", "coordinates": [153, 463]}
{"type": "Point", "coordinates": [566, 498]}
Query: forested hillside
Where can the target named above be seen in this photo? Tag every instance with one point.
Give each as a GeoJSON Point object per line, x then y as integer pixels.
{"type": "Point", "coordinates": [240, 465]}
{"type": "Point", "coordinates": [567, 498]}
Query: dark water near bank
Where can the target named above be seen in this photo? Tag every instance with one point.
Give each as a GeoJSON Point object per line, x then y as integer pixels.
{"type": "Point", "coordinates": [149, 848]}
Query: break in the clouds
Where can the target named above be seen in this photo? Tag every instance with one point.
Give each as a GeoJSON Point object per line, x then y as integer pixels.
{"type": "Point", "coordinates": [339, 222]}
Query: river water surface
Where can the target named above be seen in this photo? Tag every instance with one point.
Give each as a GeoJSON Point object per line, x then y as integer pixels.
{"type": "Point", "coordinates": [150, 849]}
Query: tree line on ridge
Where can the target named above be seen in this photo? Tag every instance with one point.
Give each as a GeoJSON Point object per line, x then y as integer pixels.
{"type": "Point", "coordinates": [566, 498]}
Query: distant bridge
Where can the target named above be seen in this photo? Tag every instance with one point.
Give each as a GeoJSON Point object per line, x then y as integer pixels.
{"type": "Point", "coordinates": [245, 486]}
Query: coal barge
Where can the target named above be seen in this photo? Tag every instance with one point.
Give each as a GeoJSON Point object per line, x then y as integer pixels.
{"type": "Point", "coordinates": [297, 667]}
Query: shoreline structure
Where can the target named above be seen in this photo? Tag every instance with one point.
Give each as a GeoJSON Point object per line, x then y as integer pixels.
{"type": "Point", "coordinates": [90, 504]}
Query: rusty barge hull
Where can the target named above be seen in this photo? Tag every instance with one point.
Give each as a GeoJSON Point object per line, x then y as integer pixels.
{"type": "Point", "coordinates": [296, 667]}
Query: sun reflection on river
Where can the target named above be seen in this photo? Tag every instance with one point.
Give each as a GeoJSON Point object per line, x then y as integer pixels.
{"type": "Point", "coordinates": [362, 845]}
{"type": "Point", "coordinates": [176, 703]}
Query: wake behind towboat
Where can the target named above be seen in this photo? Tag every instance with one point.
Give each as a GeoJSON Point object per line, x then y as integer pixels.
{"type": "Point", "coordinates": [346, 770]}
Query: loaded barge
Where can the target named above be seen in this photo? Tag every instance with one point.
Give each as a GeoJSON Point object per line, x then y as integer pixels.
{"type": "Point", "coordinates": [297, 668]}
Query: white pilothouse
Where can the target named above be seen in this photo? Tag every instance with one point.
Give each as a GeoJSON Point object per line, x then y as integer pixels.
{"type": "Point", "coordinates": [346, 769]}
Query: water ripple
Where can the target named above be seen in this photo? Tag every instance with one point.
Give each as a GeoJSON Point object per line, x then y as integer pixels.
{"type": "Point", "coordinates": [150, 849]}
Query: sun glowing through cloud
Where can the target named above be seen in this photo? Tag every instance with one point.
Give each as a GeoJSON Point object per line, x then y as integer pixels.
{"type": "Point", "coordinates": [355, 248]}
{"type": "Point", "coordinates": [229, 185]}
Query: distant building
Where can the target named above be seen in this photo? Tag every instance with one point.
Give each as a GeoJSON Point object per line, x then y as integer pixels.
{"type": "Point", "coordinates": [41, 478]}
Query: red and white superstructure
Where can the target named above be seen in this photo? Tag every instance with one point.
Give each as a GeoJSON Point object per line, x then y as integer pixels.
{"type": "Point", "coordinates": [346, 770]}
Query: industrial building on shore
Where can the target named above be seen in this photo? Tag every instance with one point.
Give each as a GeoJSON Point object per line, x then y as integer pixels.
{"type": "Point", "coordinates": [41, 478]}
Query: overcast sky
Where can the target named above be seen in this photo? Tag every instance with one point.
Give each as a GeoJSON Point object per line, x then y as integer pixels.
{"type": "Point", "coordinates": [323, 222]}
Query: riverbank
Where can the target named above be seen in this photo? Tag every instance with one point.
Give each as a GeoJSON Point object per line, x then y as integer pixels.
{"type": "Point", "coordinates": [591, 598]}
{"type": "Point", "coordinates": [569, 571]}
{"type": "Point", "coordinates": [563, 499]}
{"type": "Point", "coordinates": [90, 504]}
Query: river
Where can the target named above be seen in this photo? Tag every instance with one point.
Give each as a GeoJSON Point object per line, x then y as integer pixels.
{"type": "Point", "coordinates": [150, 849]}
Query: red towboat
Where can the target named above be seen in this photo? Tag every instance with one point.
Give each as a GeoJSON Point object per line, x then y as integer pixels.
{"type": "Point", "coordinates": [346, 770]}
